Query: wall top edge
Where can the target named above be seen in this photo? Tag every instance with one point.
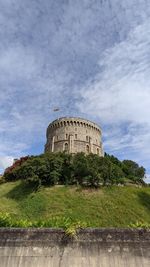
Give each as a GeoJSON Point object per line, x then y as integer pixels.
{"type": "Point", "coordinates": [85, 230]}
{"type": "Point", "coordinates": [48, 236]}
{"type": "Point", "coordinates": [75, 119]}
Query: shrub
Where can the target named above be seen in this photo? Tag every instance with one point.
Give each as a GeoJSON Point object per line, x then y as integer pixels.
{"type": "Point", "coordinates": [133, 171]}
{"type": "Point", "coordinates": [9, 173]}
{"type": "Point", "coordinates": [70, 226]}
{"type": "Point", "coordinates": [85, 170]}
{"type": "Point", "coordinates": [143, 225]}
{"type": "Point", "coordinates": [5, 220]}
{"type": "Point", "coordinates": [80, 168]}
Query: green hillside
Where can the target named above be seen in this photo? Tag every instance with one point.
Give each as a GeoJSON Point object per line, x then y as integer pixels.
{"type": "Point", "coordinates": [112, 206]}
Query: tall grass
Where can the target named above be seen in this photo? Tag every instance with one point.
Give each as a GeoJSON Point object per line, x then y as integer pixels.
{"type": "Point", "coordinates": [55, 206]}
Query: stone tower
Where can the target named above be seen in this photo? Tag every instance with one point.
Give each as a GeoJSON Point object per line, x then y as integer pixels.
{"type": "Point", "coordinates": [74, 135]}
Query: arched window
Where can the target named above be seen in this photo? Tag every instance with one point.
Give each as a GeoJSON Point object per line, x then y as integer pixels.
{"type": "Point", "coordinates": [97, 151]}
{"type": "Point", "coordinates": [66, 147]}
{"type": "Point", "coordinates": [87, 138]}
{"type": "Point", "coordinates": [87, 149]}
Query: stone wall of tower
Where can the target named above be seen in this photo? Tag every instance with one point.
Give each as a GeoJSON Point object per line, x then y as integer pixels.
{"type": "Point", "coordinates": [74, 135]}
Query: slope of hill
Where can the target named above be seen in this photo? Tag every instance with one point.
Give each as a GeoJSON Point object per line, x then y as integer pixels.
{"type": "Point", "coordinates": [106, 207]}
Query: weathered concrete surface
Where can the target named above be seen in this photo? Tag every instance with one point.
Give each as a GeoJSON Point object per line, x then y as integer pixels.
{"type": "Point", "coordinates": [93, 247]}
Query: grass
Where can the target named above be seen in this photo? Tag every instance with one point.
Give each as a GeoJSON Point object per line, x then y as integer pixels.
{"type": "Point", "coordinates": [106, 207]}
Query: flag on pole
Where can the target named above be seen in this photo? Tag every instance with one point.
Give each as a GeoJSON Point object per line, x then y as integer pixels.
{"type": "Point", "coordinates": [56, 109]}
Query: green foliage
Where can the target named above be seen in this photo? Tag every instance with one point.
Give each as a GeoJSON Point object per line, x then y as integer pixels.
{"type": "Point", "coordinates": [53, 168]}
{"type": "Point", "coordinates": [10, 171]}
{"type": "Point", "coordinates": [114, 160]}
{"type": "Point", "coordinates": [71, 229]}
{"type": "Point", "coordinates": [67, 177]}
{"type": "Point", "coordinates": [5, 220]}
{"type": "Point", "coordinates": [133, 171]}
{"type": "Point", "coordinates": [2, 180]}
{"type": "Point", "coordinates": [64, 206]}
{"type": "Point", "coordinates": [80, 169]}
{"type": "Point", "coordinates": [94, 177]}
{"type": "Point", "coordinates": [67, 224]}
{"type": "Point", "coordinates": [85, 170]}
{"type": "Point", "coordinates": [142, 225]}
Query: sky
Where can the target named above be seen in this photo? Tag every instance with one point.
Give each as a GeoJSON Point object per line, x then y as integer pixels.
{"type": "Point", "coordinates": [90, 58]}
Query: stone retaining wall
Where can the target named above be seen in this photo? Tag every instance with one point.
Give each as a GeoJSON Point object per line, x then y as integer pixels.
{"type": "Point", "coordinates": [91, 248]}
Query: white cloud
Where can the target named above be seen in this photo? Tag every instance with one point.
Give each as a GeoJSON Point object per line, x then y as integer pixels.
{"type": "Point", "coordinates": [18, 61]}
{"type": "Point", "coordinates": [5, 162]}
{"type": "Point", "coordinates": [147, 180]}
{"type": "Point", "coordinates": [48, 50]}
{"type": "Point", "coordinates": [120, 94]}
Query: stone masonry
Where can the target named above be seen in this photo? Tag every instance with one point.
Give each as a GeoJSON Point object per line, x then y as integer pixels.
{"type": "Point", "coordinates": [74, 135]}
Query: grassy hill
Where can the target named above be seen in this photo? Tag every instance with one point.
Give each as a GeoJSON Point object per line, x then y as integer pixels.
{"type": "Point", "coordinates": [106, 207]}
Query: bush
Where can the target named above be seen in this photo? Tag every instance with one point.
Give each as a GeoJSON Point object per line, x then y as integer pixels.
{"type": "Point", "coordinates": [5, 220]}
{"type": "Point", "coordinates": [2, 179]}
{"type": "Point", "coordinates": [70, 226]}
{"type": "Point", "coordinates": [80, 168]}
{"type": "Point", "coordinates": [133, 171]}
{"type": "Point", "coordinates": [85, 170]}
{"type": "Point", "coordinates": [9, 173]}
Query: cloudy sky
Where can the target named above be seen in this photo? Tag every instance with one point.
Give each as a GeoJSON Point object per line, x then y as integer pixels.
{"type": "Point", "coordinates": [91, 58]}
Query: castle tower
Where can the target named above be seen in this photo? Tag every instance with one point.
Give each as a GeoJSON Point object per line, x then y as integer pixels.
{"type": "Point", "coordinates": [74, 135]}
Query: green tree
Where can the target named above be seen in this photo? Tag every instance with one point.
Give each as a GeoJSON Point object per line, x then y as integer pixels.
{"type": "Point", "coordinates": [54, 168]}
{"type": "Point", "coordinates": [94, 178]}
{"type": "Point", "coordinates": [133, 171]}
{"type": "Point", "coordinates": [67, 169]}
{"type": "Point", "coordinates": [80, 168]}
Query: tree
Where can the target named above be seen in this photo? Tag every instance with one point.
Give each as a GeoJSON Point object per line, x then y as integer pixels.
{"type": "Point", "coordinates": [67, 170]}
{"type": "Point", "coordinates": [133, 171]}
{"type": "Point", "coordinates": [80, 169]}
{"type": "Point", "coordinates": [85, 170]}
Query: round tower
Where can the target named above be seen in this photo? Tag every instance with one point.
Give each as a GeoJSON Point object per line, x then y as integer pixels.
{"type": "Point", "coordinates": [74, 135]}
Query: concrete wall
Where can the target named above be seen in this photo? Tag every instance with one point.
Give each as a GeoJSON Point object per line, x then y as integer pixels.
{"type": "Point", "coordinates": [93, 247]}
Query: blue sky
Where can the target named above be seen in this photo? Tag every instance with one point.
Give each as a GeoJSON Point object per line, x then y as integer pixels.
{"type": "Point", "coordinates": [91, 58]}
